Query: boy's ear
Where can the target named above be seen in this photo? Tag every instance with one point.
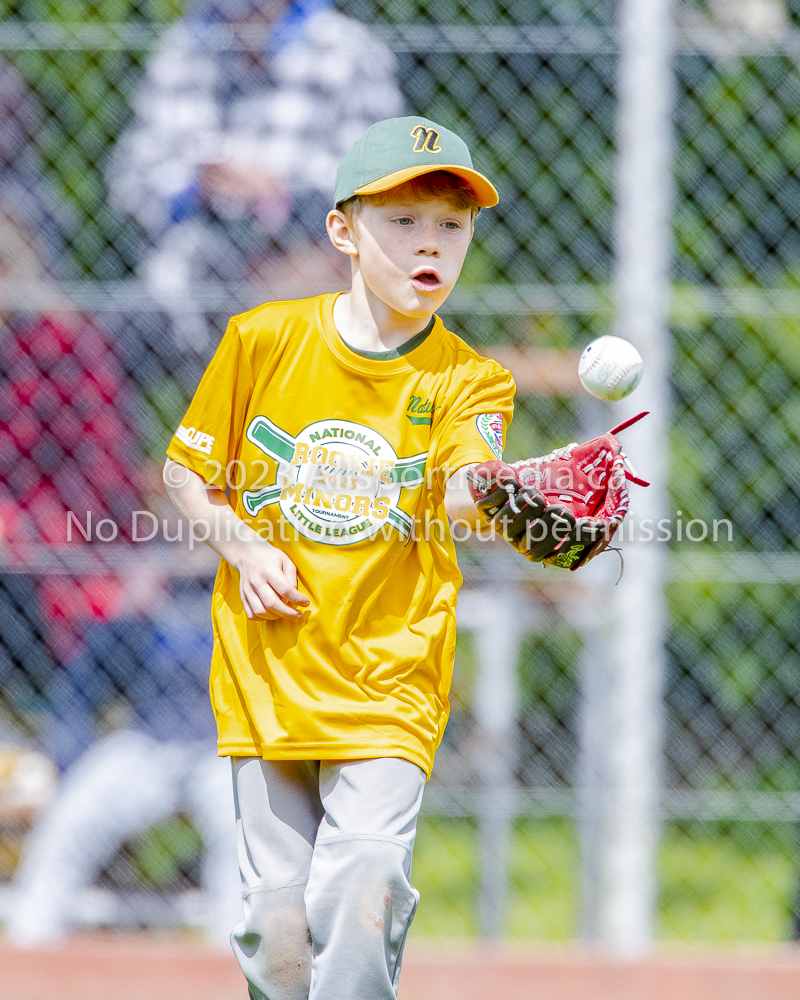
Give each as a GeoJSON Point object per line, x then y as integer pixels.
{"type": "Point", "coordinates": [340, 233]}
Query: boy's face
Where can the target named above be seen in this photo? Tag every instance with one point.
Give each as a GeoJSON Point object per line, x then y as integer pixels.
{"type": "Point", "coordinates": [409, 252]}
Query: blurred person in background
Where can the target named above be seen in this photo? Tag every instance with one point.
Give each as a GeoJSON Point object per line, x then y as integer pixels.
{"type": "Point", "coordinates": [67, 442]}
{"type": "Point", "coordinates": [150, 677]}
{"type": "Point", "coordinates": [35, 232]}
{"type": "Point", "coordinates": [231, 159]}
{"type": "Point", "coordinates": [110, 651]}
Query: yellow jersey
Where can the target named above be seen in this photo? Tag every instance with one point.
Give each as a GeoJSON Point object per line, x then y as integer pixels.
{"type": "Point", "coordinates": [340, 459]}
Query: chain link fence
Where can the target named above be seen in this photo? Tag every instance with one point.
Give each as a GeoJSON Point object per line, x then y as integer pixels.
{"type": "Point", "coordinates": [127, 239]}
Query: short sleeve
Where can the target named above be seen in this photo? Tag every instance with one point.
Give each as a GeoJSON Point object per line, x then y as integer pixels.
{"type": "Point", "coordinates": [209, 436]}
{"type": "Point", "coordinates": [475, 425]}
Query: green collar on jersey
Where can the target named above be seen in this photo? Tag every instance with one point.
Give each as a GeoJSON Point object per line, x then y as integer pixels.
{"type": "Point", "coordinates": [396, 352]}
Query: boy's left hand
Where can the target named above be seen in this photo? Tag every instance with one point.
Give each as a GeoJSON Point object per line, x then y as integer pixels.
{"type": "Point", "coordinates": [534, 527]}
{"type": "Point", "coordinates": [563, 508]}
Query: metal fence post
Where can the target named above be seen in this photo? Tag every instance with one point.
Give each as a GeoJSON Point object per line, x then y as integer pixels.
{"type": "Point", "coordinates": [592, 779]}
{"type": "Point", "coordinates": [636, 620]}
{"type": "Point", "coordinates": [495, 620]}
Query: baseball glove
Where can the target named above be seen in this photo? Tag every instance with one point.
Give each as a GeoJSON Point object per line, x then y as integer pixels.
{"type": "Point", "coordinates": [563, 508]}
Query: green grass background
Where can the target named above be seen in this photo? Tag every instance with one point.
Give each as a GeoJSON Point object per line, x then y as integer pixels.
{"type": "Point", "coordinates": [721, 883]}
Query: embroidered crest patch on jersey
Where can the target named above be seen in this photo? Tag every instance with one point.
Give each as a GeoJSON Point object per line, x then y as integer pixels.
{"type": "Point", "coordinates": [490, 428]}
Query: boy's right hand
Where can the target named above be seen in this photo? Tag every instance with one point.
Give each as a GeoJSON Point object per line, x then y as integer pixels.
{"type": "Point", "coordinates": [267, 576]}
{"type": "Point", "coordinates": [267, 582]}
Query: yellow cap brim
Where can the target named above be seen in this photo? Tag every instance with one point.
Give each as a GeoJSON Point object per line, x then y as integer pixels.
{"type": "Point", "coordinates": [485, 192]}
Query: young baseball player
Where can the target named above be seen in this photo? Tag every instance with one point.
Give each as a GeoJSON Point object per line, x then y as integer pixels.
{"type": "Point", "coordinates": [326, 444]}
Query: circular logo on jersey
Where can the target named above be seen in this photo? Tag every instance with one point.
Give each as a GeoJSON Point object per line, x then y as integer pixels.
{"type": "Point", "coordinates": [344, 484]}
{"type": "Point", "coordinates": [338, 482]}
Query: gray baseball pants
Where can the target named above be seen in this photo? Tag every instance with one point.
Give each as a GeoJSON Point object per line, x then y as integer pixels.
{"type": "Point", "coordinates": [325, 857]}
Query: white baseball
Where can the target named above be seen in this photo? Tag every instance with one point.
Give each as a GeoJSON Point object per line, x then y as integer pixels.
{"type": "Point", "coordinates": [610, 368]}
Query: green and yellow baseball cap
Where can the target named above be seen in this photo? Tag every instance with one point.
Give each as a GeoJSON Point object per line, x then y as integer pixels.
{"type": "Point", "coordinates": [393, 151]}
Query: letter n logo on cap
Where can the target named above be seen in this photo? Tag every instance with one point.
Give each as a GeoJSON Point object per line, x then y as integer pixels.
{"type": "Point", "coordinates": [427, 140]}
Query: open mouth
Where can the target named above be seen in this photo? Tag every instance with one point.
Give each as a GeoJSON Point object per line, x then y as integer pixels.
{"type": "Point", "coordinates": [426, 280]}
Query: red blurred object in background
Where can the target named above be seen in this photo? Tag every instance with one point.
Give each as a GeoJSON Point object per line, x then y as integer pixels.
{"type": "Point", "coordinates": [67, 443]}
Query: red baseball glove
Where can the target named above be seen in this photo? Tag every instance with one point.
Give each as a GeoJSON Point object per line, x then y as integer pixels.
{"type": "Point", "coordinates": [562, 508]}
